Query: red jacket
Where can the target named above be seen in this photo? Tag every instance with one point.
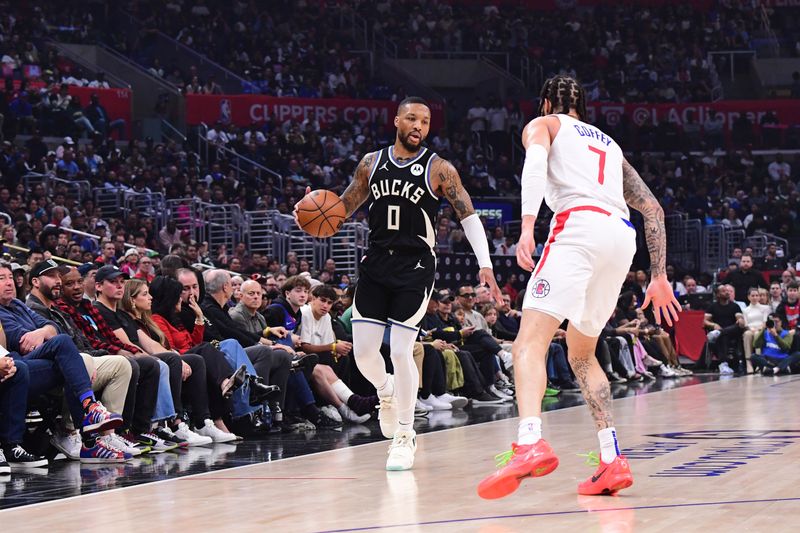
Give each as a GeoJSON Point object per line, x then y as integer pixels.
{"type": "Point", "coordinates": [178, 338]}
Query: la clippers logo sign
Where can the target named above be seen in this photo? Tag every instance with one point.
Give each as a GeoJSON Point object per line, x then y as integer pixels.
{"type": "Point", "coordinates": [541, 288]}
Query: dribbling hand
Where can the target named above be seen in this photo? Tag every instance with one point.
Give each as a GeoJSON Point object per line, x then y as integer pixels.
{"type": "Point", "coordinates": [294, 212]}
{"type": "Point", "coordinates": [660, 294]}
{"type": "Point", "coordinates": [525, 248]}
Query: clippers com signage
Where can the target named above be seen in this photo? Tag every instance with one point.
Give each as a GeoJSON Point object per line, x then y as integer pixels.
{"type": "Point", "coordinates": [245, 109]}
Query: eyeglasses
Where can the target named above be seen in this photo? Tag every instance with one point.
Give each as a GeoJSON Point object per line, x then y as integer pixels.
{"type": "Point", "coordinates": [468, 295]}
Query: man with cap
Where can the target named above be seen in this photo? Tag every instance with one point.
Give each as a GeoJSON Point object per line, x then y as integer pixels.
{"type": "Point", "coordinates": [39, 346]}
{"type": "Point", "coordinates": [111, 373]}
{"type": "Point", "coordinates": [441, 325]}
{"type": "Point", "coordinates": [88, 272]}
{"type": "Point", "coordinates": [110, 283]}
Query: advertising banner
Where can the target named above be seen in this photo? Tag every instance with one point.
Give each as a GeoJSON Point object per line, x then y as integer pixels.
{"type": "Point", "coordinates": [246, 109]}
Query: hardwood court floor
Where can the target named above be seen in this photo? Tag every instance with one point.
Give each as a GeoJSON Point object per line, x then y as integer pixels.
{"type": "Point", "coordinates": [722, 456]}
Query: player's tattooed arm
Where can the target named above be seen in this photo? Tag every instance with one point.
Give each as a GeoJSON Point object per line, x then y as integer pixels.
{"type": "Point", "coordinates": [358, 190]}
{"type": "Point", "coordinates": [638, 196]}
{"type": "Point", "coordinates": [450, 187]}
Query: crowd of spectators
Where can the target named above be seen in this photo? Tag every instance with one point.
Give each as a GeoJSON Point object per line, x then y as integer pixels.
{"type": "Point", "coordinates": [297, 49]}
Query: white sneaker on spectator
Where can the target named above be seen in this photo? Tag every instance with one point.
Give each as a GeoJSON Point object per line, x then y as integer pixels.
{"type": "Point", "coordinates": [191, 437]}
{"type": "Point", "coordinates": [350, 415]}
{"type": "Point", "coordinates": [422, 406]}
{"type": "Point", "coordinates": [387, 411]}
{"type": "Point", "coordinates": [682, 371]}
{"type": "Point", "coordinates": [502, 395]}
{"type": "Point", "coordinates": [401, 451]}
{"type": "Point", "coordinates": [666, 372]}
{"type": "Point", "coordinates": [507, 358]}
{"type": "Point", "coordinates": [216, 434]}
{"type": "Point", "coordinates": [457, 402]}
{"type": "Point", "coordinates": [121, 444]}
{"type": "Point", "coordinates": [331, 412]}
{"type": "Point", "coordinates": [725, 370]}
{"type": "Point", "coordinates": [69, 445]}
{"type": "Point", "coordinates": [435, 403]}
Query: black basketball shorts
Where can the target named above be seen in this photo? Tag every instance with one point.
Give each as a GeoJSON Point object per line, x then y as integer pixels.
{"type": "Point", "coordinates": [394, 287]}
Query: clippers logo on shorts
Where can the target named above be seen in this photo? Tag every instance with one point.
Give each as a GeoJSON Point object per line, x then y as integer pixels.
{"type": "Point", "coordinates": [540, 289]}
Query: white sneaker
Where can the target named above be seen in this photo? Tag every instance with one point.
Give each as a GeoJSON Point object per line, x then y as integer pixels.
{"type": "Point", "coordinates": [502, 395]}
{"type": "Point", "coordinates": [667, 372]}
{"type": "Point", "coordinates": [216, 434]}
{"type": "Point", "coordinates": [387, 412]}
{"type": "Point", "coordinates": [122, 444]}
{"type": "Point", "coordinates": [69, 445]}
{"type": "Point", "coordinates": [682, 371]}
{"type": "Point", "coordinates": [507, 358]}
{"type": "Point", "coordinates": [422, 406]}
{"type": "Point", "coordinates": [331, 412]}
{"type": "Point", "coordinates": [456, 402]}
{"type": "Point", "coordinates": [435, 403]}
{"type": "Point", "coordinates": [401, 451]}
{"type": "Point", "coordinates": [725, 370]}
{"type": "Point", "coordinates": [183, 432]}
{"type": "Point", "coordinates": [350, 415]}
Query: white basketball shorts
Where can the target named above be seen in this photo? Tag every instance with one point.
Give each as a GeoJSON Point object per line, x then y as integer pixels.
{"type": "Point", "coordinates": [582, 268]}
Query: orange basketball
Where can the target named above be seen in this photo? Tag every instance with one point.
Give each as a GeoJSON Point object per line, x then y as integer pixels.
{"type": "Point", "coordinates": [321, 213]}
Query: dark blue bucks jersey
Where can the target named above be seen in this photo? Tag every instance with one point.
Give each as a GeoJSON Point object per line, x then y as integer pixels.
{"type": "Point", "coordinates": [402, 205]}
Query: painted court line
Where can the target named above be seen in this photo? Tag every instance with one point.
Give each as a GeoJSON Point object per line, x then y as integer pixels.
{"type": "Point", "coordinates": [785, 382]}
{"type": "Point", "coordinates": [560, 513]}
{"type": "Point", "coordinates": [206, 478]}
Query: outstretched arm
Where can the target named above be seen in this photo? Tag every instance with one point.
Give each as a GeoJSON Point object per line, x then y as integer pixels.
{"type": "Point", "coordinates": [638, 196]}
{"type": "Point", "coordinates": [358, 190]}
{"type": "Point", "coordinates": [449, 185]}
{"type": "Point", "coordinates": [659, 292]}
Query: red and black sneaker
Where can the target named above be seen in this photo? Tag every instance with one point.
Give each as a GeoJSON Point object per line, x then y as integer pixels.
{"type": "Point", "coordinates": [531, 460]}
{"type": "Point", "coordinates": [608, 479]}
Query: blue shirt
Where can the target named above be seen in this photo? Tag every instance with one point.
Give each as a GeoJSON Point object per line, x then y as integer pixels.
{"type": "Point", "coordinates": [17, 320]}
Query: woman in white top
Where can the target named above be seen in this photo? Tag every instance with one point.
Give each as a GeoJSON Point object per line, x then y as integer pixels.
{"type": "Point", "coordinates": [755, 316]}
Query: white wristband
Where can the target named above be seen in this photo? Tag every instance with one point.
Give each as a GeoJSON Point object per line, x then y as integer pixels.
{"type": "Point", "coordinates": [534, 179]}
{"type": "Point", "coordinates": [476, 235]}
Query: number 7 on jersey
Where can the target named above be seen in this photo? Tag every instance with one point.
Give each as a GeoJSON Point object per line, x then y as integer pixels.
{"type": "Point", "coordinates": [601, 177]}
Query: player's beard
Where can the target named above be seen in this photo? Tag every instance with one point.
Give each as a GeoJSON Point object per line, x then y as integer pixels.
{"type": "Point", "coordinates": [407, 145]}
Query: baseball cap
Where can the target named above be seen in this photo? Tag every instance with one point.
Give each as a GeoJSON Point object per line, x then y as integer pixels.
{"type": "Point", "coordinates": [108, 272]}
{"type": "Point", "coordinates": [436, 297]}
{"type": "Point", "coordinates": [87, 267]}
{"type": "Point", "coordinates": [43, 267]}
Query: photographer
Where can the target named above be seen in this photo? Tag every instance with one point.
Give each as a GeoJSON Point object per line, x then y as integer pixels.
{"type": "Point", "coordinates": [776, 345]}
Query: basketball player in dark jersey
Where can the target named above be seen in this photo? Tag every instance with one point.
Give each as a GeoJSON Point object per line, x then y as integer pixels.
{"type": "Point", "coordinates": [403, 185]}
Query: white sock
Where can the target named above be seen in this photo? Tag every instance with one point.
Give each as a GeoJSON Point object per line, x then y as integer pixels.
{"type": "Point", "coordinates": [406, 376]}
{"type": "Point", "coordinates": [609, 449]}
{"type": "Point", "coordinates": [529, 430]}
{"type": "Point", "coordinates": [342, 391]}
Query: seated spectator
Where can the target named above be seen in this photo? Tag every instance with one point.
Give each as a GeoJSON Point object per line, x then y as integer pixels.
{"type": "Point", "coordinates": [771, 261]}
{"type": "Point", "coordinates": [775, 344]}
{"type": "Point", "coordinates": [789, 309]}
{"type": "Point", "coordinates": [725, 321]}
{"type": "Point", "coordinates": [775, 298]}
{"type": "Point", "coordinates": [755, 317]}
{"type": "Point", "coordinates": [317, 336]}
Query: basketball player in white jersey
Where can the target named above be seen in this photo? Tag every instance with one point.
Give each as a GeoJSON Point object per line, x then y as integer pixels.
{"type": "Point", "coordinates": [582, 175]}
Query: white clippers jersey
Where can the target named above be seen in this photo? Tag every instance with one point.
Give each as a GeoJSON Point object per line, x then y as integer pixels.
{"type": "Point", "coordinates": [584, 168]}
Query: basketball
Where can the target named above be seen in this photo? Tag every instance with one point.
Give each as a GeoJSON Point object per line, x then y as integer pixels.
{"type": "Point", "coordinates": [321, 213]}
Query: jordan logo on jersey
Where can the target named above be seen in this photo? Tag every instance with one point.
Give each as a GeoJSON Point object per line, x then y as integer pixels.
{"type": "Point", "coordinates": [385, 166]}
{"type": "Point", "coordinates": [540, 289]}
{"type": "Point", "coordinates": [419, 265]}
